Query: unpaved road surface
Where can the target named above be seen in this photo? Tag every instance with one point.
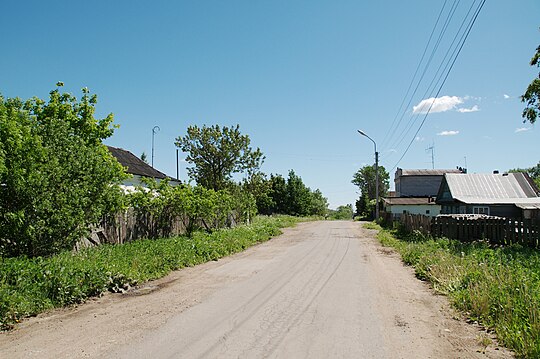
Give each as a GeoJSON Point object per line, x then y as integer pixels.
{"type": "Point", "coordinates": [321, 290]}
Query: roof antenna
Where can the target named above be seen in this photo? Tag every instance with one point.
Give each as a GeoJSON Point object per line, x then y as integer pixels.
{"type": "Point", "coordinates": [432, 148]}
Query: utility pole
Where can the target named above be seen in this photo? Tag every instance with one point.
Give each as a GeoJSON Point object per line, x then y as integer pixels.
{"type": "Point", "coordinates": [376, 175]}
{"type": "Point", "coordinates": [154, 130]}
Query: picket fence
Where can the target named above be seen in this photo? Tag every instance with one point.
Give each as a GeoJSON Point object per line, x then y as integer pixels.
{"type": "Point", "coordinates": [468, 228]}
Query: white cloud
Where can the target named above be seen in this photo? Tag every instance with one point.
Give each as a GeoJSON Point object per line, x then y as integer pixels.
{"type": "Point", "coordinates": [506, 96]}
{"type": "Point", "coordinates": [419, 139]}
{"type": "Point", "coordinates": [472, 109]}
{"type": "Point", "coordinates": [522, 129]}
{"type": "Point", "coordinates": [448, 133]}
{"type": "Point", "coordinates": [440, 104]}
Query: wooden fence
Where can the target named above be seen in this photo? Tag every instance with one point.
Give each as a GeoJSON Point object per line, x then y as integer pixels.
{"type": "Point", "coordinates": [466, 228]}
{"type": "Point", "coordinates": [129, 226]}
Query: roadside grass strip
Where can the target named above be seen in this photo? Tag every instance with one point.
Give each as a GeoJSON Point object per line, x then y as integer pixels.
{"type": "Point", "coordinates": [29, 286]}
{"type": "Point", "coordinates": [497, 286]}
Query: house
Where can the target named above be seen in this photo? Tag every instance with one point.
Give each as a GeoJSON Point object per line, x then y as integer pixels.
{"type": "Point", "coordinates": [138, 169]}
{"type": "Point", "coordinates": [420, 182]}
{"type": "Point", "coordinates": [396, 206]}
{"type": "Point", "coordinates": [511, 195]}
{"type": "Point", "coordinates": [415, 192]}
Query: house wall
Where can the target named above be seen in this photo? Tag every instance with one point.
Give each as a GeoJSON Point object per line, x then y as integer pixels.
{"type": "Point", "coordinates": [506, 210]}
{"type": "Point", "coordinates": [398, 209]}
{"type": "Point", "coordinates": [417, 186]}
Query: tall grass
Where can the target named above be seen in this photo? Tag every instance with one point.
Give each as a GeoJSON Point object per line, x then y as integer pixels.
{"type": "Point", "coordinates": [498, 286]}
{"type": "Point", "coordinates": [30, 286]}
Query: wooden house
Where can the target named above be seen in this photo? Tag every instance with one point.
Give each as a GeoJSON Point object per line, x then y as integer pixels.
{"type": "Point", "coordinates": [511, 195]}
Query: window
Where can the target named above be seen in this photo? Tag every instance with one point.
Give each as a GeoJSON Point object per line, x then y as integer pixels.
{"type": "Point", "coordinates": [481, 210]}
{"type": "Point", "coordinates": [427, 211]}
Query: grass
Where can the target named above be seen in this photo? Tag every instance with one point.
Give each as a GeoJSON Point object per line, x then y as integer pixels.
{"type": "Point", "coordinates": [498, 286]}
{"type": "Point", "coordinates": [31, 286]}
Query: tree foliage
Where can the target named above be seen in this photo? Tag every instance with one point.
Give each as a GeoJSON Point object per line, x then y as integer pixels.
{"type": "Point", "coordinates": [342, 213]}
{"type": "Point", "coordinates": [531, 97]}
{"type": "Point", "coordinates": [365, 179]}
{"type": "Point", "coordinates": [291, 196]}
{"type": "Point", "coordinates": [217, 153]}
{"type": "Point", "coordinates": [199, 207]}
{"type": "Point", "coordinates": [56, 177]}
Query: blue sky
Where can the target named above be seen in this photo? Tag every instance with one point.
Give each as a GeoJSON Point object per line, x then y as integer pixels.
{"type": "Point", "coordinates": [300, 77]}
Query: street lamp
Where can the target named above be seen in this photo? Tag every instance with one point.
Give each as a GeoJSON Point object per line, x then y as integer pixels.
{"type": "Point", "coordinates": [154, 130]}
{"type": "Point", "coordinates": [376, 174]}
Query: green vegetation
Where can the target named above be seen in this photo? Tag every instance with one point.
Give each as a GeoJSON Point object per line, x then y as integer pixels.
{"type": "Point", "coordinates": [498, 286]}
{"type": "Point", "coordinates": [56, 176]}
{"type": "Point", "coordinates": [531, 97]}
{"type": "Point", "coordinates": [290, 196]}
{"type": "Point", "coordinates": [365, 179]}
{"type": "Point", "coordinates": [342, 213]}
{"type": "Point", "coordinates": [217, 153]}
{"type": "Point", "coordinates": [32, 285]}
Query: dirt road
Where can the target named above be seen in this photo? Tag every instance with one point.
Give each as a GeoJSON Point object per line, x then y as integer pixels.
{"type": "Point", "coordinates": [321, 290]}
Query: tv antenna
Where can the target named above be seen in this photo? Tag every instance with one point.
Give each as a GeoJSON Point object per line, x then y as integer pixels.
{"type": "Point", "coordinates": [432, 149]}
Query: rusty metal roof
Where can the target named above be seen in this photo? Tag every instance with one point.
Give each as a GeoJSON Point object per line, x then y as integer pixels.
{"type": "Point", "coordinates": [491, 188]}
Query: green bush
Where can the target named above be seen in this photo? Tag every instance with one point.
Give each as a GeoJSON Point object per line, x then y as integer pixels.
{"type": "Point", "coordinates": [56, 176]}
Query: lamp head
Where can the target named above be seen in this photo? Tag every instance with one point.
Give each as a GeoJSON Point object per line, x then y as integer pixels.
{"type": "Point", "coordinates": [362, 133]}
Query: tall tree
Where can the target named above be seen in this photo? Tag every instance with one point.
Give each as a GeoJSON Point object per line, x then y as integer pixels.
{"type": "Point", "coordinates": [365, 179]}
{"type": "Point", "coordinates": [217, 153]}
{"type": "Point", "coordinates": [531, 97]}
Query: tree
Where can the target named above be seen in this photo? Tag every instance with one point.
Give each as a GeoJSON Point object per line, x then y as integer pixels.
{"type": "Point", "coordinates": [144, 157]}
{"type": "Point", "coordinates": [364, 178]}
{"type": "Point", "coordinates": [342, 212]}
{"type": "Point", "coordinates": [531, 97]}
{"type": "Point", "coordinates": [56, 177]}
{"type": "Point", "coordinates": [217, 153]}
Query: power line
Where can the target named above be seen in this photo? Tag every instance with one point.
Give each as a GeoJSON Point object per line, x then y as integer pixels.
{"type": "Point", "coordinates": [414, 77]}
{"type": "Point", "coordinates": [470, 26]}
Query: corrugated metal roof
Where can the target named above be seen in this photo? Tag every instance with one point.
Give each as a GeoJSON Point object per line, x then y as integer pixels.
{"type": "Point", "coordinates": [427, 172]}
{"type": "Point", "coordinates": [134, 165]}
{"type": "Point", "coordinates": [490, 188]}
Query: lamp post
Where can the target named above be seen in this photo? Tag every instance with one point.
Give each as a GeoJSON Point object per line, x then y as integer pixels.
{"type": "Point", "coordinates": [154, 130]}
{"type": "Point", "coordinates": [376, 174]}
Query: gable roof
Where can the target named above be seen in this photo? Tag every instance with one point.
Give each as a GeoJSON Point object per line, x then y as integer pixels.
{"type": "Point", "coordinates": [491, 188]}
{"type": "Point", "coordinates": [134, 165]}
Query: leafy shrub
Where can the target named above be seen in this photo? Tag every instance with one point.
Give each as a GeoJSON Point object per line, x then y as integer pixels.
{"type": "Point", "coordinates": [56, 177]}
